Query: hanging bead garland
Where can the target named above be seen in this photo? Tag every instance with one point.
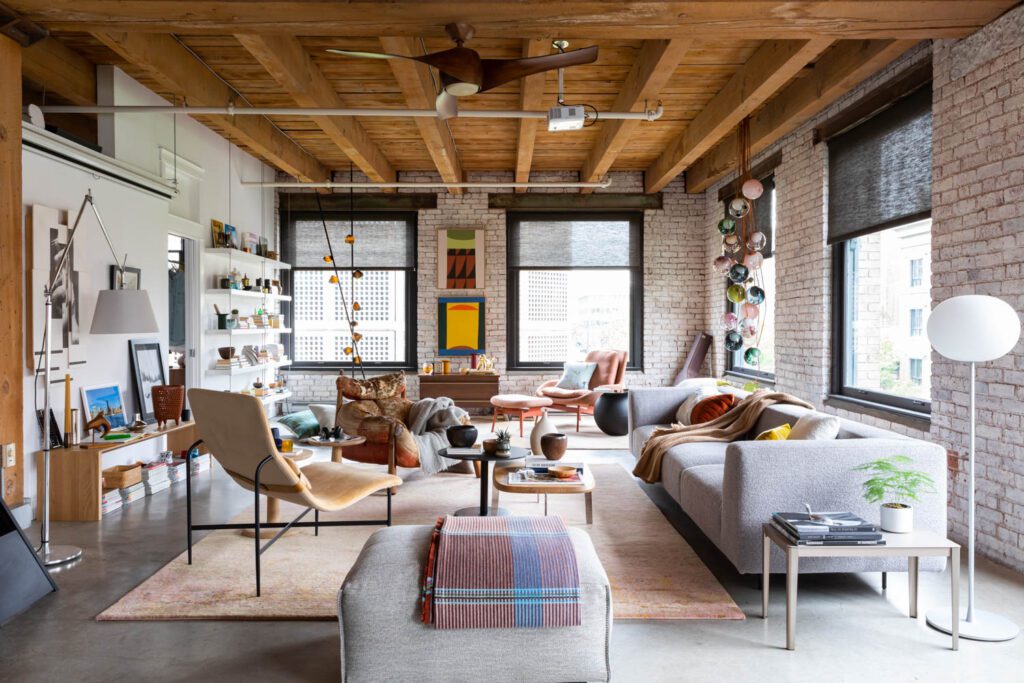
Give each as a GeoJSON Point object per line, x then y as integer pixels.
{"type": "Point", "coordinates": [741, 260]}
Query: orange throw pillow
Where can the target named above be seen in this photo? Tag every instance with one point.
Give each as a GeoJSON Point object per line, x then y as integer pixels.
{"type": "Point", "coordinates": [712, 407]}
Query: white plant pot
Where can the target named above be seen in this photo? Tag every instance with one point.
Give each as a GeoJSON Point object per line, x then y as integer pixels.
{"type": "Point", "coordinates": [897, 520]}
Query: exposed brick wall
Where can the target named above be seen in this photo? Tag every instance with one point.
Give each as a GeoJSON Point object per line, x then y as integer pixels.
{"type": "Point", "coordinates": [673, 283]}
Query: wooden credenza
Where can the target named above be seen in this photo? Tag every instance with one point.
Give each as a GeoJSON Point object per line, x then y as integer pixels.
{"type": "Point", "coordinates": [468, 391]}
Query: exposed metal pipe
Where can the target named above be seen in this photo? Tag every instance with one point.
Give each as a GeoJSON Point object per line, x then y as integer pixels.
{"type": "Point", "coordinates": [230, 110]}
{"type": "Point", "coordinates": [440, 183]}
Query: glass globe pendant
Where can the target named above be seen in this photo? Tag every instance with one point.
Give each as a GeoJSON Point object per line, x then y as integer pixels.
{"type": "Point", "coordinates": [757, 241]}
{"type": "Point", "coordinates": [739, 207]}
{"type": "Point", "coordinates": [755, 295]}
{"type": "Point", "coordinates": [727, 226]}
{"type": "Point", "coordinates": [722, 264]}
{"type": "Point", "coordinates": [738, 273]}
{"type": "Point", "coordinates": [752, 189]}
{"type": "Point", "coordinates": [736, 294]}
{"type": "Point", "coordinates": [730, 321]}
{"type": "Point", "coordinates": [733, 341]}
{"type": "Point", "coordinates": [752, 356]}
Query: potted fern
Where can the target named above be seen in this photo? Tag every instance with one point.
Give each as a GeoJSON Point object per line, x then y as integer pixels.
{"type": "Point", "coordinates": [896, 484]}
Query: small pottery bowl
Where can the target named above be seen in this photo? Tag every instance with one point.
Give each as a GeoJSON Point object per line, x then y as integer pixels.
{"type": "Point", "coordinates": [553, 445]}
{"type": "Point", "coordinates": [226, 352]}
{"type": "Point", "coordinates": [462, 436]}
{"type": "Point", "coordinates": [490, 446]}
{"type": "Point", "coordinates": [562, 471]}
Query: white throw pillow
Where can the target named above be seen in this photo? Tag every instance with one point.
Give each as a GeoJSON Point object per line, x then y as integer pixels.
{"type": "Point", "coordinates": [324, 413]}
{"type": "Point", "coordinates": [815, 427]}
{"type": "Point", "coordinates": [699, 394]}
{"type": "Point", "coordinates": [577, 376]}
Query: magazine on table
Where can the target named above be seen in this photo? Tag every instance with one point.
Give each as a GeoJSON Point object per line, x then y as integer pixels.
{"type": "Point", "coordinates": [822, 522]}
{"type": "Point", "coordinates": [532, 476]}
{"type": "Point", "coordinates": [839, 540]}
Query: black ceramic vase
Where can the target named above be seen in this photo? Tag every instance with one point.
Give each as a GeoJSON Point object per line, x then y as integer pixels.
{"type": "Point", "coordinates": [462, 436]}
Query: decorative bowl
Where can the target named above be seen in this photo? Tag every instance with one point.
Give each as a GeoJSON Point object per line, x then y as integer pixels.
{"type": "Point", "coordinates": [490, 446]}
{"type": "Point", "coordinates": [226, 352]}
{"type": "Point", "coordinates": [462, 436]}
{"type": "Point", "coordinates": [553, 445]}
{"type": "Point", "coordinates": [562, 471]}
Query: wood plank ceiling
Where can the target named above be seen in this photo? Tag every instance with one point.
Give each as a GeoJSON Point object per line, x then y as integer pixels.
{"type": "Point", "coordinates": [708, 63]}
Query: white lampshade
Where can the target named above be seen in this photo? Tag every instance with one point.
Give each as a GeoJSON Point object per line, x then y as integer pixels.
{"type": "Point", "coordinates": [973, 328]}
{"type": "Point", "coordinates": [124, 311]}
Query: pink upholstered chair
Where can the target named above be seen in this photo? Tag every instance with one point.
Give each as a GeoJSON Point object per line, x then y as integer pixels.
{"type": "Point", "coordinates": [610, 374]}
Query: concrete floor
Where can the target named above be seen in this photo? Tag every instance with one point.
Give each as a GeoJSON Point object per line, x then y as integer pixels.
{"type": "Point", "coordinates": [848, 629]}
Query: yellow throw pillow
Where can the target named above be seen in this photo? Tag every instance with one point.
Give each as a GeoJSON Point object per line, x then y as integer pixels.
{"type": "Point", "coordinates": [778, 434]}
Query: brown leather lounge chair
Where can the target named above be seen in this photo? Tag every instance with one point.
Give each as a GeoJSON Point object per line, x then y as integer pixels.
{"type": "Point", "coordinates": [235, 430]}
{"type": "Point", "coordinates": [609, 375]}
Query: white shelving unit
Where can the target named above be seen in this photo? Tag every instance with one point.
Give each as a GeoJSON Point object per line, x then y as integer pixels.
{"type": "Point", "coordinates": [219, 263]}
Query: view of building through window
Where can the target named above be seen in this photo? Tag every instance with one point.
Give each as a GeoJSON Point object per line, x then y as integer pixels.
{"type": "Point", "coordinates": [887, 305]}
{"type": "Point", "coordinates": [321, 328]}
{"type": "Point", "coordinates": [563, 314]}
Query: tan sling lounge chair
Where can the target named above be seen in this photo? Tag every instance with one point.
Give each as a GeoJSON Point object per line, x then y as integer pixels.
{"type": "Point", "coordinates": [235, 430]}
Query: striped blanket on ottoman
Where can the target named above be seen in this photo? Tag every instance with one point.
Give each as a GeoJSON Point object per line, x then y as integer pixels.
{"type": "Point", "coordinates": [501, 572]}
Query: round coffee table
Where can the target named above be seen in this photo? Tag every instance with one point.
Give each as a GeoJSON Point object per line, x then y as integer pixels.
{"type": "Point", "coordinates": [485, 477]}
{"type": "Point", "coordinates": [610, 412]}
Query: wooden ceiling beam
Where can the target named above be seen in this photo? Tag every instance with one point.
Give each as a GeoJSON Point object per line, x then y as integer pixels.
{"type": "Point", "coordinates": [176, 69]}
{"type": "Point", "coordinates": [589, 19]}
{"type": "Point", "coordinates": [417, 86]}
{"type": "Point", "coordinates": [771, 67]}
{"type": "Point", "coordinates": [835, 74]}
{"type": "Point", "coordinates": [655, 63]}
{"type": "Point", "coordinates": [292, 67]}
{"type": "Point", "coordinates": [531, 98]}
{"type": "Point", "coordinates": [54, 67]}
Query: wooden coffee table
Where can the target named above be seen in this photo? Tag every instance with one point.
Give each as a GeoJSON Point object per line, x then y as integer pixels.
{"type": "Point", "coordinates": [586, 487]}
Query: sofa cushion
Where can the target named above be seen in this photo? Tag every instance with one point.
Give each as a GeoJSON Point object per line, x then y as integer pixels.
{"type": "Point", "coordinates": [685, 411]}
{"type": "Point", "coordinates": [303, 423]}
{"type": "Point", "coordinates": [684, 456]}
{"type": "Point", "coordinates": [776, 416]}
{"type": "Point", "coordinates": [815, 426]}
{"type": "Point", "coordinates": [558, 393]}
{"type": "Point", "coordinates": [780, 433]}
{"type": "Point", "coordinates": [700, 496]}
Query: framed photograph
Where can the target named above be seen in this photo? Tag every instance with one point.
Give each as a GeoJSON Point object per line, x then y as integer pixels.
{"type": "Point", "coordinates": [132, 278]}
{"type": "Point", "coordinates": [460, 258]}
{"type": "Point", "coordinates": [231, 237]}
{"type": "Point", "coordinates": [460, 326]}
{"type": "Point", "coordinates": [147, 362]}
{"type": "Point", "coordinates": [250, 242]}
{"type": "Point", "coordinates": [218, 236]}
{"type": "Point", "coordinates": [55, 438]}
{"type": "Point", "coordinates": [106, 399]}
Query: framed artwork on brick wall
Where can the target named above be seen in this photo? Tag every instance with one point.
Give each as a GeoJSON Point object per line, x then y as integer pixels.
{"type": "Point", "coordinates": [460, 326]}
{"type": "Point", "coordinates": [460, 258]}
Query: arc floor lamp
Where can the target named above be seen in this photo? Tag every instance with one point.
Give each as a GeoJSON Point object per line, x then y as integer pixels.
{"type": "Point", "coordinates": [118, 311]}
{"type": "Point", "coordinates": [973, 329]}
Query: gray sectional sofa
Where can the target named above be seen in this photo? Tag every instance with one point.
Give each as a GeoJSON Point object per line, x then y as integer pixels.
{"type": "Point", "coordinates": [730, 489]}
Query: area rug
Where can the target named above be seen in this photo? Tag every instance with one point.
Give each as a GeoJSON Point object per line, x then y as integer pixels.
{"type": "Point", "coordinates": [589, 438]}
{"type": "Point", "coordinates": [654, 574]}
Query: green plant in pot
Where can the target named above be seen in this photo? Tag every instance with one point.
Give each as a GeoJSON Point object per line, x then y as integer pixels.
{"type": "Point", "coordinates": [893, 482]}
{"type": "Point", "coordinates": [504, 438]}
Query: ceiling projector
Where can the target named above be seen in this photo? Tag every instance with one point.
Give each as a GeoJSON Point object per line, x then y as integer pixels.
{"type": "Point", "coordinates": [565, 118]}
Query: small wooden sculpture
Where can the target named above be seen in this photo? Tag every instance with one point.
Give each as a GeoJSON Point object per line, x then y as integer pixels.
{"type": "Point", "coordinates": [98, 424]}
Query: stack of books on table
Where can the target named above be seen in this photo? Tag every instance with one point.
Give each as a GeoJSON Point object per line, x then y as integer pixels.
{"type": "Point", "coordinates": [154, 477]}
{"type": "Point", "coordinates": [826, 528]}
{"type": "Point", "coordinates": [111, 501]}
{"type": "Point", "coordinates": [176, 471]}
{"type": "Point", "coordinates": [537, 473]}
{"type": "Point", "coordinates": [132, 493]}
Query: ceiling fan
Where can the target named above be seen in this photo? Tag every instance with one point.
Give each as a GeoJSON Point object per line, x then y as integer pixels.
{"type": "Point", "coordinates": [464, 73]}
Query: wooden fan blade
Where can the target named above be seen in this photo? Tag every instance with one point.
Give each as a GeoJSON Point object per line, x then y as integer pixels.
{"type": "Point", "coordinates": [461, 63]}
{"type": "Point", "coordinates": [500, 71]}
{"type": "Point", "coordinates": [366, 55]}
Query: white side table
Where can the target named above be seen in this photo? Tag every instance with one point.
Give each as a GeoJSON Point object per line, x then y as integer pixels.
{"type": "Point", "coordinates": [913, 546]}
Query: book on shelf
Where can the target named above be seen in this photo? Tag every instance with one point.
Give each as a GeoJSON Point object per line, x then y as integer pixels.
{"type": "Point", "coordinates": [110, 496]}
{"type": "Point", "coordinates": [154, 470]}
{"type": "Point", "coordinates": [837, 540]}
{"type": "Point", "coordinates": [133, 493]}
{"type": "Point", "coordinates": [176, 471]}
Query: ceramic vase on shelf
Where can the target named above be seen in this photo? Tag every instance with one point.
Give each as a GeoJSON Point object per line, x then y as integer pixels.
{"type": "Point", "coordinates": [540, 428]}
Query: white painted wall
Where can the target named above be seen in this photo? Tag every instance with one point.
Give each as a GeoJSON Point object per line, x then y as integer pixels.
{"type": "Point", "coordinates": [139, 224]}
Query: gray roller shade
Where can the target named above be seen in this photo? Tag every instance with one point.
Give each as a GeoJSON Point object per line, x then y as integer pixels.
{"type": "Point", "coordinates": [575, 241]}
{"type": "Point", "coordinates": [880, 173]}
{"type": "Point", "coordinates": [380, 242]}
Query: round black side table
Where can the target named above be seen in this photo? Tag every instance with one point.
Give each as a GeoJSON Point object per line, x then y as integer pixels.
{"type": "Point", "coordinates": [485, 478]}
{"type": "Point", "coordinates": [610, 412]}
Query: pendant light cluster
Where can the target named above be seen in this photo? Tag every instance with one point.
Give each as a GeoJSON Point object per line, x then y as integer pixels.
{"type": "Point", "coordinates": [741, 260]}
{"type": "Point", "coordinates": [351, 351]}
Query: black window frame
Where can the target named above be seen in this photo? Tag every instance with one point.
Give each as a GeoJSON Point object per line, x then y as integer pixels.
{"type": "Point", "coordinates": [288, 218]}
{"type": "Point", "coordinates": [636, 219]}
{"type": "Point", "coordinates": [841, 279]}
{"type": "Point", "coordinates": [731, 368]}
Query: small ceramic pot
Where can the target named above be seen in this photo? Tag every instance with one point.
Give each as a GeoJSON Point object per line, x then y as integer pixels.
{"type": "Point", "coordinates": [226, 352]}
{"type": "Point", "coordinates": [490, 446]}
{"type": "Point", "coordinates": [897, 520]}
{"type": "Point", "coordinates": [462, 436]}
{"type": "Point", "coordinates": [222, 321]}
{"type": "Point", "coordinates": [554, 445]}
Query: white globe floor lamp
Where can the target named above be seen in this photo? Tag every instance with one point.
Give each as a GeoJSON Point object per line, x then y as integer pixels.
{"type": "Point", "coordinates": [118, 311]}
{"type": "Point", "coordinates": [973, 329]}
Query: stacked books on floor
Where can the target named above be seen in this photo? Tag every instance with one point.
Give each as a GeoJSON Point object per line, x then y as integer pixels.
{"type": "Point", "coordinates": [176, 471]}
{"type": "Point", "coordinates": [154, 477]}
{"type": "Point", "coordinates": [111, 501]}
{"type": "Point", "coordinates": [133, 493]}
{"type": "Point", "coordinates": [826, 528]}
{"type": "Point", "coordinates": [200, 463]}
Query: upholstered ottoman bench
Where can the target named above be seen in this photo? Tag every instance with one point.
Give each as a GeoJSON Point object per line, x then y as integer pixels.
{"type": "Point", "coordinates": [518, 404]}
{"type": "Point", "coordinates": [383, 638]}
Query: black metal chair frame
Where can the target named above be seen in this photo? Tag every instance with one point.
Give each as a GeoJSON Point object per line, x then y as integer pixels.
{"type": "Point", "coordinates": [256, 524]}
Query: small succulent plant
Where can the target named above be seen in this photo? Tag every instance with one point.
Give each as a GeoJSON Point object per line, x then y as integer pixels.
{"type": "Point", "coordinates": [504, 438]}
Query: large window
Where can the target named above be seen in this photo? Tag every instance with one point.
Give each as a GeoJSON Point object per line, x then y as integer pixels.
{"type": "Point", "coordinates": [575, 285]}
{"type": "Point", "coordinates": [765, 278]}
{"type": "Point", "coordinates": [880, 225]}
{"type": "Point", "coordinates": [385, 253]}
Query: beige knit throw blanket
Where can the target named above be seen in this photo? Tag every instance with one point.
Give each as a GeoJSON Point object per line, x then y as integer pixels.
{"type": "Point", "coordinates": [731, 426]}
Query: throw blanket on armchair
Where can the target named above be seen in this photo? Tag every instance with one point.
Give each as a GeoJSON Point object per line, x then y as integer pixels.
{"type": "Point", "coordinates": [428, 419]}
{"type": "Point", "coordinates": [731, 426]}
{"type": "Point", "coordinates": [501, 572]}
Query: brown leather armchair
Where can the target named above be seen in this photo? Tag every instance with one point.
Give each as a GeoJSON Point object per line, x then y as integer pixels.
{"type": "Point", "coordinates": [610, 375]}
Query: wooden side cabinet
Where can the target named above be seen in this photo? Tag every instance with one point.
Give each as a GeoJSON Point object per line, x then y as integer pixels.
{"type": "Point", "coordinates": [468, 391]}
